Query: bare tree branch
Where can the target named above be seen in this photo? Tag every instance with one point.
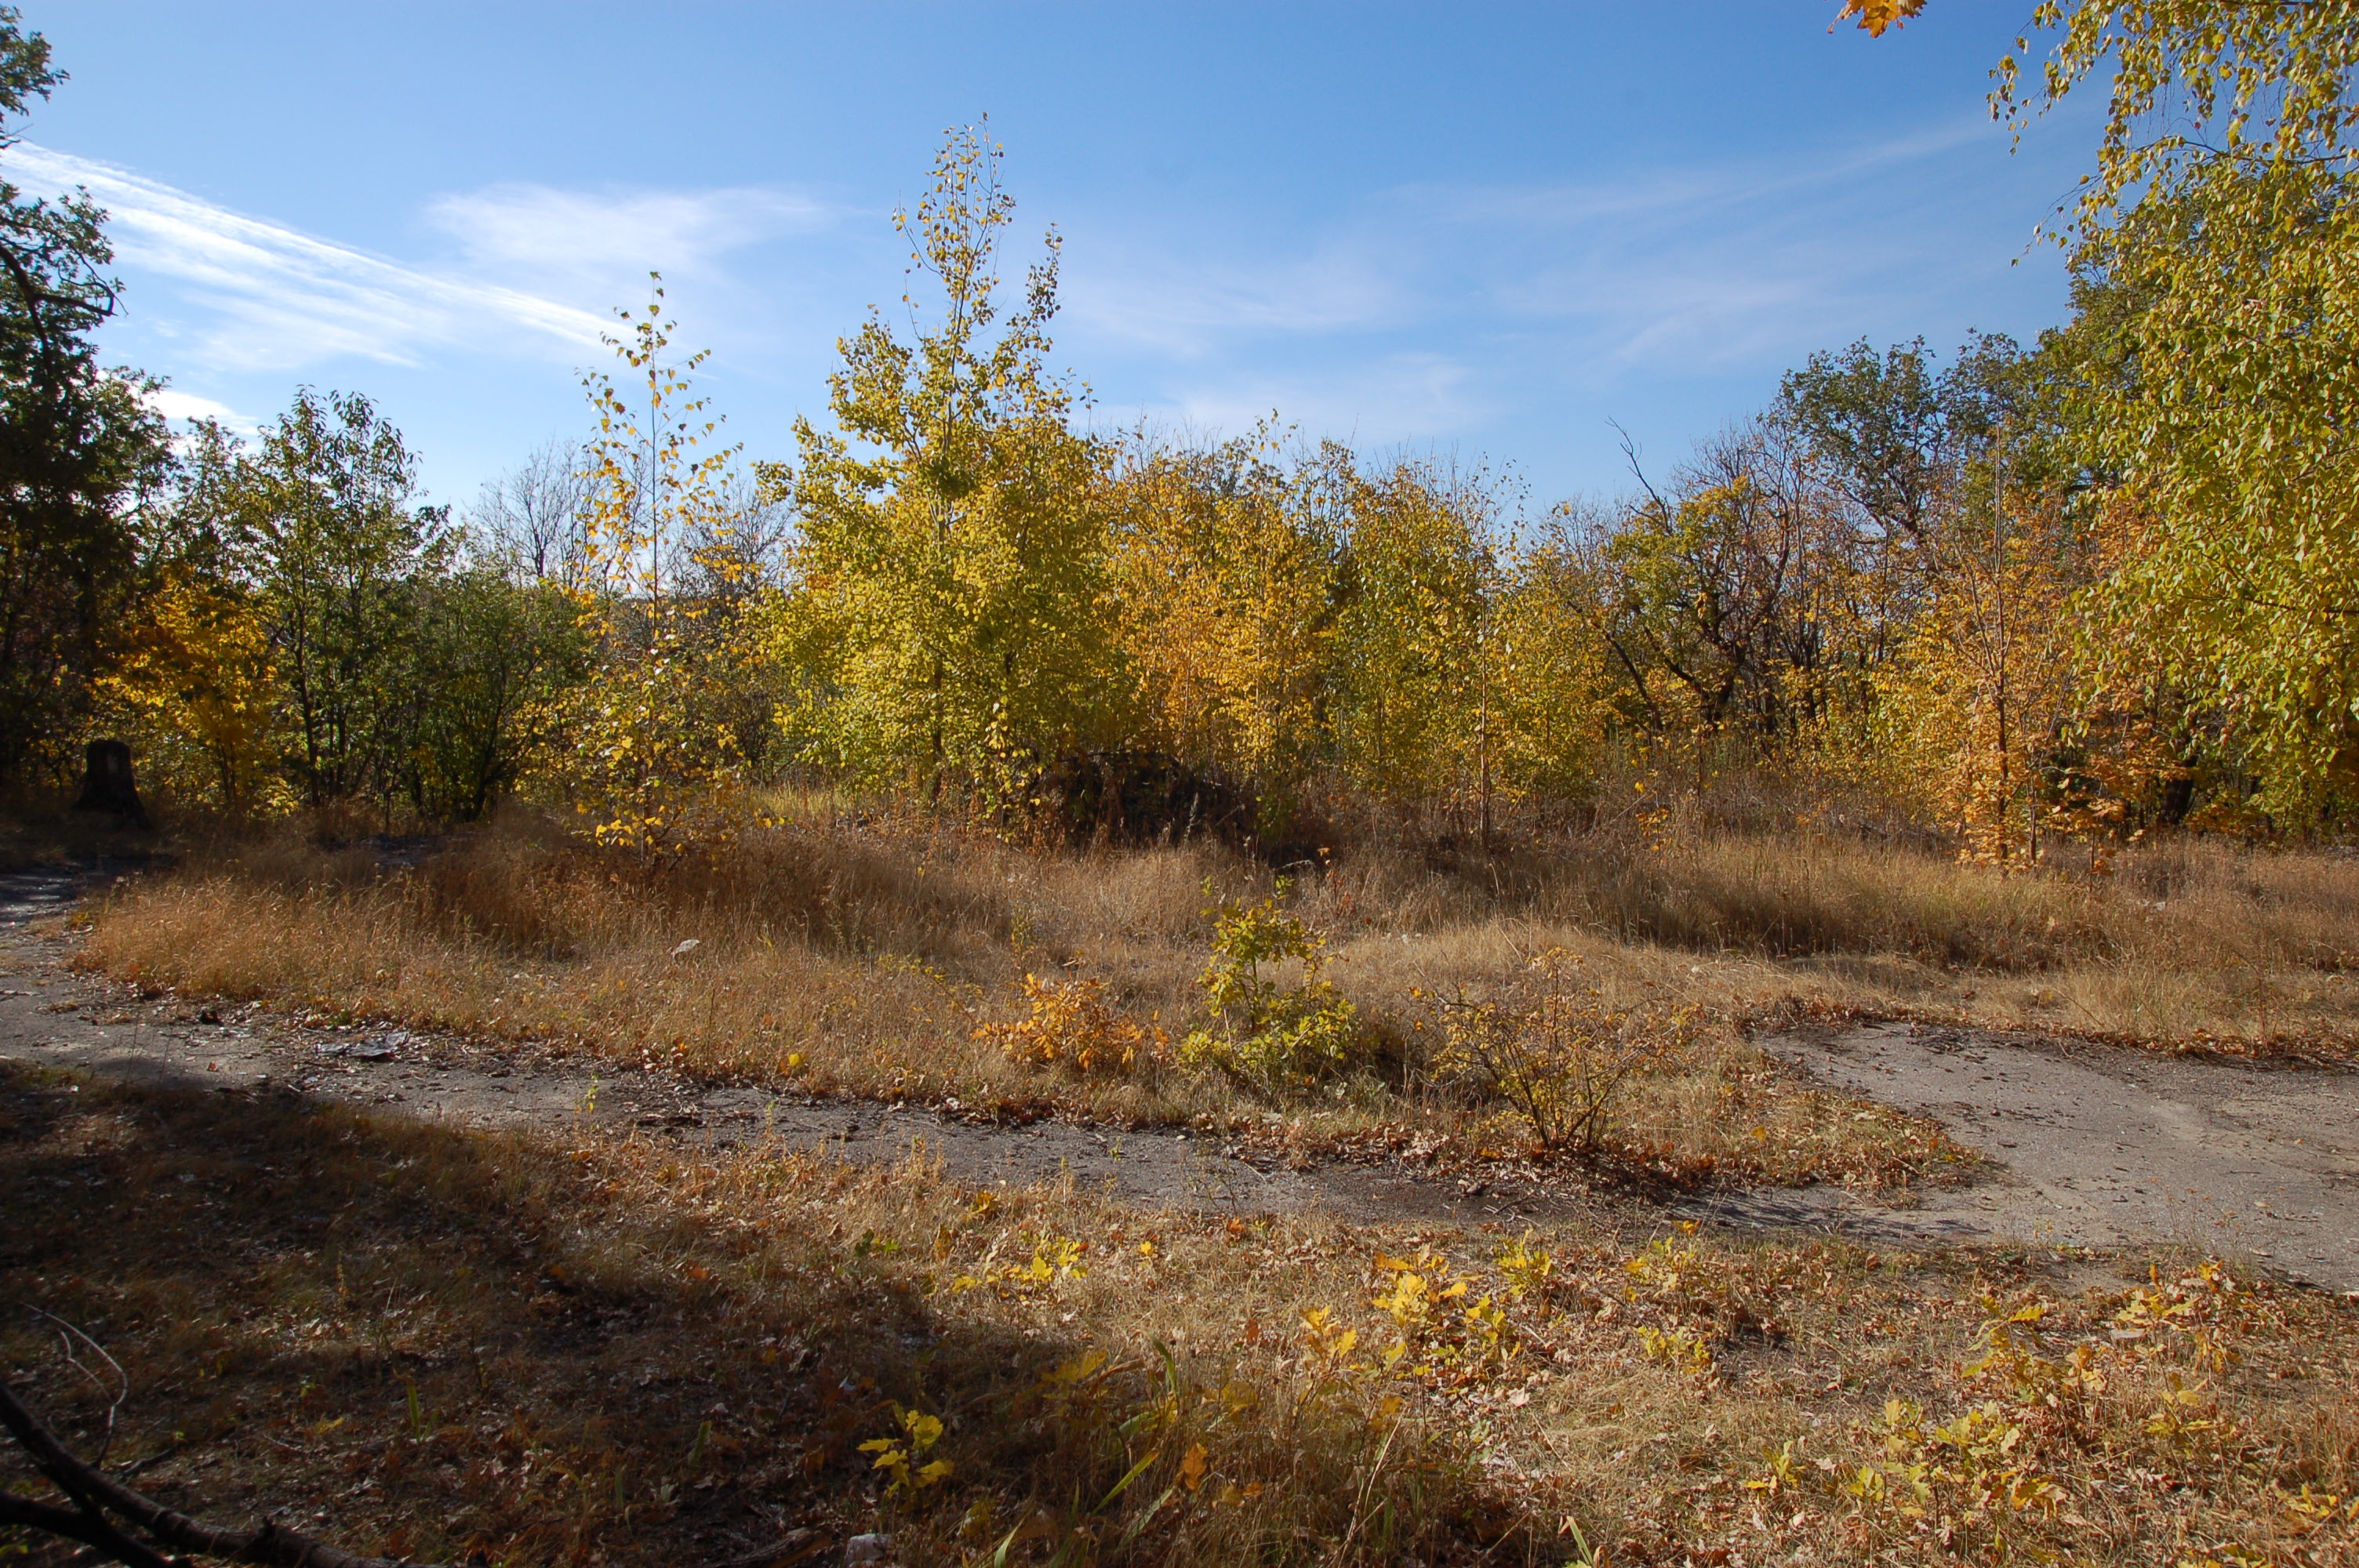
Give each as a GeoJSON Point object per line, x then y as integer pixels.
{"type": "Point", "coordinates": [271, 1543]}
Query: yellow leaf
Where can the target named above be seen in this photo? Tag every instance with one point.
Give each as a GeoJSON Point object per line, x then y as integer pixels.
{"type": "Point", "coordinates": [1876, 15]}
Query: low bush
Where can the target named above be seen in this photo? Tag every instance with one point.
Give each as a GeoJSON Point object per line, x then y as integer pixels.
{"type": "Point", "coordinates": [1556, 1052]}
{"type": "Point", "coordinates": [1262, 1028]}
{"type": "Point", "coordinates": [1069, 1024]}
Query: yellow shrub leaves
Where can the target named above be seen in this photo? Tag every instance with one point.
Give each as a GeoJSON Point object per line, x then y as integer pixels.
{"type": "Point", "coordinates": [1068, 1023]}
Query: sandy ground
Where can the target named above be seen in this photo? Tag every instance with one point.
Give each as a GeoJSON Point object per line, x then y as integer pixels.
{"type": "Point", "coordinates": [2100, 1145]}
{"type": "Point", "coordinates": [2091, 1146]}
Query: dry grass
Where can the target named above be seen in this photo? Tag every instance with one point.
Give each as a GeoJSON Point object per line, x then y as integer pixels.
{"type": "Point", "coordinates": [626, 1352]}
{"type": "Point", "coordinates": [871, 960]}
{"type": "Point", "coordinates": [854, 958]}
{"type": "Point", "coordinates": [870, 955]}
{"type": "Point", "coordinates": [2185, 943]}
{"type": "Point", "coordinates": [496, 1350]}
{"type": "Point", "coordinates": [600, 1351]}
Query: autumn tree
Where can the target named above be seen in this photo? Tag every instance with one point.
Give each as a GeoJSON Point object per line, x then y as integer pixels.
{"type": "Point", "coordinates": [496, 664]}
{"type": "Point", "coordinates": [2218, 226]}
{"type": "Point", "coordinates": [949, 612]}
{"type": "Point", "coordinates": [1225, 595]}
{"type": "Point", "coordinates": [1957, 605]}
{"type": "Point", "coordinates": [1416, 585]}
{"type": "Point", "coordinates": [1718, 595]}
{"type": "Point", "coordinates": [190, 684]}
{"type": "Point", "coordinates": [651, 738]}
{"type": "Point", "coordinates": [653, 480]}
{"type": "Point", "coordinates": [2214, 231]}
{"type": "Point", "coordinates": [1551, 686]}
{"type": "Point", "coordinates": [1976, 705]}
{"type": "Point", "coordinates": [315, 634]}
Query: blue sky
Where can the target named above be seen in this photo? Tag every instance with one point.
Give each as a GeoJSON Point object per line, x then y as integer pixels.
{"type": "Point", "coordinates": [1493, 231]}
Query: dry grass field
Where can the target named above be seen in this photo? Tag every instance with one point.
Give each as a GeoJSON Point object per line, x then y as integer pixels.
{"type": "Point", "coordinates": [571, 1348]}
{"type": "Point", "coordinates": [861, 952]}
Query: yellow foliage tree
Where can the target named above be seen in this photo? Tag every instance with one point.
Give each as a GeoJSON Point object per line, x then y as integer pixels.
{"type": "Point", "coordinates": [2214, 239]}
{"type": "Point", "coordinates": [651, 738]}
{"type": "Point", "coordinates": [1416, 583]}
{"type": "Point", "coordinates": [192, 685]}
{"type": "Point", "coordinates": [1222, 602]}
{"type": "Point", "coordinates": [654, 491]}
{"type": "Point", "coordinates": [1984, 687]}
{"type": "Point", "coordinates": [949, 606]}
{"type": "Point", "coordinates": [1548, 679]}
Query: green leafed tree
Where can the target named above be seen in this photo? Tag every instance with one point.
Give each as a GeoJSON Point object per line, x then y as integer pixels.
{"type": "Point", "coordinates": [323, 512]}
{"type": "Point", "coordinates": [83, 458]}
{"type": "Point", "coordinates": [494, 660]}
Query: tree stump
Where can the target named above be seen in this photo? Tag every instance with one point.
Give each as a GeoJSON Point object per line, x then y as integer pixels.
{"type": "Point", "coordinates": [106, 783]}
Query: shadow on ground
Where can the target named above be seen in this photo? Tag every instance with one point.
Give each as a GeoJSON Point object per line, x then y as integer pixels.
{"type": "Point", "coordinates": [423, 1341]}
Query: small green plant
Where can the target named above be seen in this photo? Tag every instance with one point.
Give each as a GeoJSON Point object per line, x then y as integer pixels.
{"type": "Point", "coordinates": [1260, 1027]}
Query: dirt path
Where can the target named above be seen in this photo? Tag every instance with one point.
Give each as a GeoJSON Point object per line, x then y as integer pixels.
{"type": "Point", "coordinates": [2100, 1145]}
{"type": "Point", "coordinates": [2092, 1146]}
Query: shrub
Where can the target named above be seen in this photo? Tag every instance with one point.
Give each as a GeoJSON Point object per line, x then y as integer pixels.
{"type": "Point", "coordinates": [1259, 1026]}
{"type": "Point", "coordinates": [1561, 1059]}
{"type": "Point", "coordinates": [1070, 1024]}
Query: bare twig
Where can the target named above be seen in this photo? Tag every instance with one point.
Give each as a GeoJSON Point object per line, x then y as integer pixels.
{"type": "Point", "coordinates": [121, 1379]}
{"type": "Point", "coordinates": [96, 1496]}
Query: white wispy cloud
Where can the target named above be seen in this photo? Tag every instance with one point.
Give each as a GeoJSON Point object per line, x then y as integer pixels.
{"type": "Point", "coordinates": [284, 300]}
{"type": "Point", "coordinates": [1719, 265]}
{"type": "Point", "coordinates": [535, 272]}
{"type": "Point", "coordinates": [584, 244]}
{"type": "Point", "coordinates": [1705, 268]}
{"type": "Point", "coordinates": [1686, 195]}
{"type": "Point", "coordinates": [1415, 312]}
{"type": "Point", "coordinates": [1378, 401]}
{"type": "Point", "coordinates": [1649, 258]}
{"type": "Point", "coordinates": [1187, 305]}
